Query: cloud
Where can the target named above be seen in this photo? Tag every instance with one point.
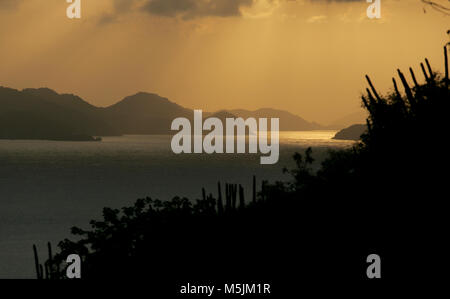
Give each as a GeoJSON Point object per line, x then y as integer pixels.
{"type": "Point", "coordinates": [184, 9]}
{"type": "Point", "coordinates": [203, 8]}
{"type": "Point", "coordinates": [192, 9]}
{"type": "Point", "coordinates": [195, 8]}
{"type": "Point", "coordinates": [123, 5]}
{"type": "Point", "coordinates": [9, 4]}
{"type": "Point", "coordinates": [117, 9]}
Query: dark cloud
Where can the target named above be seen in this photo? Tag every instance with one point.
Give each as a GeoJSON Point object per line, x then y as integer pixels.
{"type": "Point", "coordinates": [189, 9]}
{"type": "Point", "coordinates": [204, 8]}
{"type": "Point", "coordinates": [122, 5]}
{"type": "Point", "coordinates": [8, 4]}
{"type": "Point", "coordinates": [195, 8]}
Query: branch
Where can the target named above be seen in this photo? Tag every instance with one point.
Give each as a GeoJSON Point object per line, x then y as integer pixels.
{"type": "Point", "coordinates": [439, 7]}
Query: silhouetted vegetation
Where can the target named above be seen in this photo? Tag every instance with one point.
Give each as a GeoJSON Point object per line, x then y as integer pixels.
{"type": "Point", "coordinates": [384, 195]}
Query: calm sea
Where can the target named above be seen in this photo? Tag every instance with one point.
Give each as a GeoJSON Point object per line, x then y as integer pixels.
{"type": "Point", "coordinates": [47, 187]}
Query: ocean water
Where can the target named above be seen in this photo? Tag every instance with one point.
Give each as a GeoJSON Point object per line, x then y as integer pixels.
{"type": "Point", "coordinates": [46, 187]}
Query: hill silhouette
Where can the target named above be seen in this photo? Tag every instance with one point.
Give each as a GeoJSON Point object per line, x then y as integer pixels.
{"type": "Point", "coordinates": [288, 121]}
{"type": "Point", "coordinates": [44, 114]}
{"type": "Point", "coordinates": [353, 132]}
{"type": "Point", "coordinates": [222, 115]}
{"type": "Point", "coordinates": [144, 113]}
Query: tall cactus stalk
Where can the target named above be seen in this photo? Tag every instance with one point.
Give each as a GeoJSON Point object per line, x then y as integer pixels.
{"type": "Point", "coordinates": [408, 92]}
{"type": "Point", "coordinates": [373, 88]}
{"type": "Point", "coordinates": [371, 98]}
{"type": "Point", "coordinates": [219, 200]}
{"type": "Point", "coordinates": [36, 262]}
{"type": "Point", "coordinates": [233, 196]}
{"type": "Point", "coordinates": [241, 197]}
{"type": "Point", "coordinates": [399, 97]}
{"type": "Point", "coordinates": [41, 271]}
{"type": "Point", "coordinates": [366, 104]}
{"type": "Point", "coordinates": [429, 69]}
{"type": "Point", "coordinates": [446, 64]}
{"type": "Point", "coordinates": [50, 261]}
{"type": "Point", "coordinates": [424, 72]}
{"type": "Point", "coordinates": [254, 189]}
{"type": "Point", "coordinates": [228, 197]}
{"type": "Point", "coordinates": [413, 77]}
{"type": "Point", "coordinates": [396, 88]}
{"type": "Point", "coordinates": [47, 272]}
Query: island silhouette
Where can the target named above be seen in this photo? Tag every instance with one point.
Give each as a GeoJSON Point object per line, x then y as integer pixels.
{"type": "Point", "coordinates": [44, 114]}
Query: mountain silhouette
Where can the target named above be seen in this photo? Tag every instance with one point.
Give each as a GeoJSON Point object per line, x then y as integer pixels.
{"type": "Point", "coordinates": [44, 114]}
{"type": "Point", "coordinates": [353, 132]}
{"type": "Point", "coordinates": [288, 121]}
{"type": "Point", "coordinates": [67, 100]}
{"type": "Point", "coordinates": [145, 113]}
{"type": "Point", "coordinates": [222, 115]}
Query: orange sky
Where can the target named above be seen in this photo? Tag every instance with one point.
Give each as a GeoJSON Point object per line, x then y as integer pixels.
{"type": "Point", "coordinates": [305, 56]}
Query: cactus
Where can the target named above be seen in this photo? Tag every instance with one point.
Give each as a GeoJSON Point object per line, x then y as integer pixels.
{"type": "Point", "coordinates": [429, 69]}
{"type": "Point", "coordinates": [241, 198]}
{"type": "Point", "coordinates": [219, 200]}
{"type": "Point", "coordinates": [233, 195]}
{"type": "Point", "coordinates": [413, 77]}
{"type": "Point", "coordinates": [373, 88]}
{"type": "Point", "coordinates": [41, 271]}
{"type": "Point", "coordinates": [396, 88]}
{"type": "Point", "coordinates": [408, 92]}
{"type": "Point", "coordinates": [366, 104]}
{"type": "Point", "coordinates": [47, 272]}
{"type": "Point", "coordinates": [228, 197]}
{"type": "Point", "coordinates": [254, 189]}
{"type": "Point", "coordinates": [50, 260]}
{"type": "Point", "coordinates": [424, 72]}
{"type": "Point", "coordinates": [36, 262]}
{"type": "Point", "coordinates": [446, 64]}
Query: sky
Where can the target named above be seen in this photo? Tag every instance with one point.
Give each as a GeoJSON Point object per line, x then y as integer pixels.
{"type": "Point", "coordinates": [305, 56]}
